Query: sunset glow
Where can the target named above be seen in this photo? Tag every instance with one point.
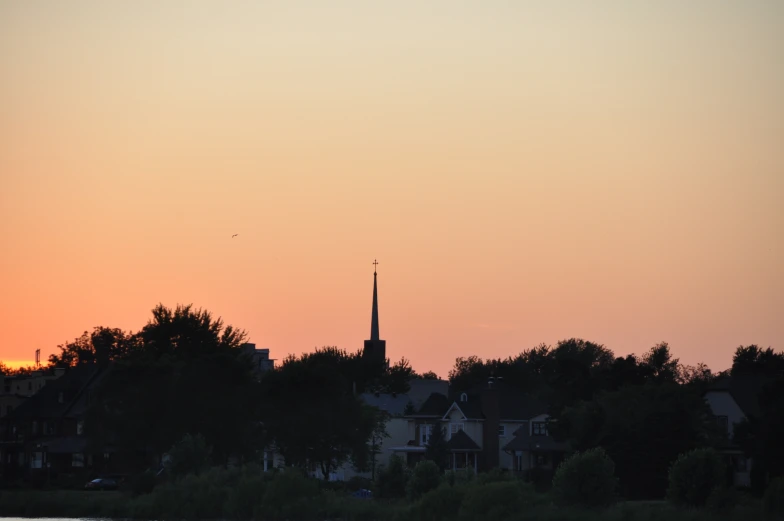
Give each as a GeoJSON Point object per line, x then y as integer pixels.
{"type": "Point", "coordinates": [523, 171]}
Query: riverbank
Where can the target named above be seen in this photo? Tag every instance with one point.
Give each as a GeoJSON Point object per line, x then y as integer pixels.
{"type": "Point", "coordinates": [325, 506]}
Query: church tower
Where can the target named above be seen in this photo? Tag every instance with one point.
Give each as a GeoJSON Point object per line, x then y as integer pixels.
{"type": "Point", "coordinates": [375, 348]}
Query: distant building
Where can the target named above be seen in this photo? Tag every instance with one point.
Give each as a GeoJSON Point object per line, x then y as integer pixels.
{"type": "Point", "coordinates": [732, 400]}
{"type": "Point", "coordinates": [14, 390]}
{"type": "Point", "coordinates": [46, 432]}
{"type": "Point", "coordinates": [260, 358]}
{"type": "Point", "coordinates": [491, 427]}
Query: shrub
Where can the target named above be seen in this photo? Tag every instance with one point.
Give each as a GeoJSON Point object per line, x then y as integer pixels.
{"type": "Point", "coordinates": [499, 501]}
{"type": "Point", "coordinates": [773, 501]}
{"type": "Point", "coordinates": [494, 475]}
{"type": "Point", "coordinates": [442, 503]}
{"type": "Point", "coordinates": [425, 477]}
{"type": "Point", "coordinates": [144, 483]}
{"type": "Point", "coordinates": [723, 498]}
{"type": "Point", "coordinates": [586, 479]}
{"type": "Point", "coordinates": [244, 497]}
{"type": "Point", "coordinates": [190, 455]}
{"type": "Point", "coordinates": [392, 480]}
{"type": "Point", "coordinates": [288, 496]}
{"type": "Point", "coordinates": [459, 478]}
{"type": "Point", "coordinates": [694, 476]}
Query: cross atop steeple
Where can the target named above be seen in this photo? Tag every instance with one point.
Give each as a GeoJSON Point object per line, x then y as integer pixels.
{"type": "Point", "coordinates": [375, 263]}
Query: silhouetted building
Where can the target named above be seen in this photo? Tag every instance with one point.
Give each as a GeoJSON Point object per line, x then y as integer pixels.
{"type": "Point", "coordinates": [45, 434]}
{"type": "Point", "coordinates": [259, 357]}
{"type": "Point", "coordinates": [14, 390]}
{"type": "Point", "coordinates": [485, 428]}
{"type": "Point", "coordinates": [375, 349]}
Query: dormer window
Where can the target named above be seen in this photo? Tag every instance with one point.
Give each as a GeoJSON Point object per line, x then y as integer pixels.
{"type": "Point", "coordinates": [464, 397]}
{"type": "Point", "coordinates": [539, 429]}
{"type": "Point", "coordinates": [61, 397]}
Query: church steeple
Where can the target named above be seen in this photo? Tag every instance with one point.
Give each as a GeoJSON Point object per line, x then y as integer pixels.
{"type": "Point", "coordinates": [374, 317]}
{"type": "Point", "coordinates": [375, 348]}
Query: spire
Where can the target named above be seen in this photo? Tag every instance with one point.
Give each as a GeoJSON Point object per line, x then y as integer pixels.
{"type": "Point", "coordinates": [374, 318]}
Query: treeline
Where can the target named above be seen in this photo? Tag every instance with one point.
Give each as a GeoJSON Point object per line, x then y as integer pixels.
{"type": "Point", "coordinates": [643, 410]}
{"type": "Point", "coordinates": [184, 374]}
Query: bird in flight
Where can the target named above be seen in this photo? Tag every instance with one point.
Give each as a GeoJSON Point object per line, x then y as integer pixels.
{"type": "Point", "coordinates": [234, 235]}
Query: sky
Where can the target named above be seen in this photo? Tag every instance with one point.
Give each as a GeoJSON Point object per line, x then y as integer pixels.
{"type": "Point", "coordinates": [523, 171]}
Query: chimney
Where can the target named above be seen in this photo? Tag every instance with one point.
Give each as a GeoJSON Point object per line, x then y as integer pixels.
{"type": "Point", "coordinates": [492, 415]}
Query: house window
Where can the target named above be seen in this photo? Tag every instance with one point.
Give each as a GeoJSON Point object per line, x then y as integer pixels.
{"type": "Point", "coordinates": [35, 427]}
{"type": "Point", "coordinates": [48, 428]}
{"type": "Point", "coordinates": [425, 431]}
{"type": "Point", "coordinates": [724, 424]}
{"type": "Point", "coordinates": [29, 386]}
{"type": "Point", "coordinates": [77, 460]}
{"type": "Point", "coordinates": [739, 463]}
{"type": "Point", "coordinates": [60, 397]}
{"type": "Point", "coordinates": [539, 429]}
{"type": "Point", "coordinates": [36, 460]}
{"type": "Point", "coordinates": [454, 428]}
{"type": "Point", "coordinates": [502, 430]}
{"type": "Point", "coordinates": [464, 397]}
{"type": "Point", "coordinates": [79, 428]}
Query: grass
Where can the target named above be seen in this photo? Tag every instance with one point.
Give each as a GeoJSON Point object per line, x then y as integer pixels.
{"type": "Point", "coordinates": [333, 506]}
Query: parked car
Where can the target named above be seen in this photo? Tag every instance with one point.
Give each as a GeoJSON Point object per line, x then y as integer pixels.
{"type": "Point", "coordinates": [363, 493]}
{"type": "Point", "coordinates": [101, 484]}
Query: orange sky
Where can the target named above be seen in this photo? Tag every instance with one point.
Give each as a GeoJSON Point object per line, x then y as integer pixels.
{"type": "Point", "coordinates": [523, 171]}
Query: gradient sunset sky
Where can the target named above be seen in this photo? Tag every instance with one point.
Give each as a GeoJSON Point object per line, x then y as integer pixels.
{"type": "Point", "coordinates": [523, 171]}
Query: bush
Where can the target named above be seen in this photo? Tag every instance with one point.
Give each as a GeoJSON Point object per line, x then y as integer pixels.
{"type": "Point", "coordinates": [392, 480]}
{"type": "Point", "coordinates": [245, 497]}
{"type": "Point", "coordinates": [459, 478]}
{"type": "Point", "coordinates": [191, 455]}
{"type": "Point", "coordinates": [499, 501]}
{"type": "Point", "coordinates": [442, 503]}
{"type": "Point", "coordinates": [290, 495]}
{"type": "Point", "coordinates": [586, 479]}
{"type": "Point", "coordinates": [494, 475]}
{"type": "Point", "coordinates": [773, 501]}
{"type": "Point", "coordinates": [695, 476]}
{"type": "Point", "coordinates": [425, 477]}
{"type": "Point", "coordinates": [144, 483]}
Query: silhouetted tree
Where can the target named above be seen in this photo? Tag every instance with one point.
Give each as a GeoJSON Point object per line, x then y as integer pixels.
{"type": "Point", "coordinates": [427, 375]}
{"type": "Point", "coordinates": [184, 375]}
{"type": "Point", "coordinates": [331, 425]}
{"type": "Point", "coordinates": [660, 364]}
{"type": "Point", "coordinates": [752, 360]}
{"type": "Point", "coordinates": [760, 436]}
{"type": "Point", "coordinates": [102, 345]}
{"type": "Point", "coordinates": [436, 449]}
{"type": "Point", "coordinates": [643, 429]}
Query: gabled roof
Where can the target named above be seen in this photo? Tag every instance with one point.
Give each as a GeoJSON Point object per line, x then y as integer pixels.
{"type": "Point", "coordinates": [523, 441]}
{"type": "Point", "coordinates": [46, 403]}
{"type": "Point", "coordinates": [461, 441]}
{"type": "Point", "coordinates": [435, 405]}
{"type": "Point", "coordinates": [470, 410]}
{"type": "Point", "coordinates": [744, 389]}
{"type": "Point", "coordinates": [395, 405]}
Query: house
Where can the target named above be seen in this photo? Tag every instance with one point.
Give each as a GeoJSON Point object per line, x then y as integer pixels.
{"type": "Point", "coordinates": [14, 390]}
{"type": "Point", "coordinates": [733, 399]}
{"type": "Point", "coordinates": [45, 434]}
{"type": "Point", "coordinates": [493, 427]}
{"type": "Point", "coordinates": [395, 407]}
